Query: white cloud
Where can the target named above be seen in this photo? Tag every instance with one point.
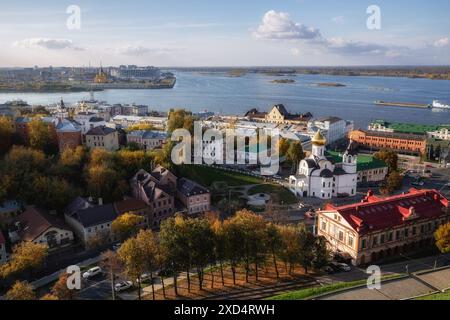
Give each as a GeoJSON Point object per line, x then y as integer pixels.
{"type": "Point", "coordinates": [278, 26]}
{"type": "Point", "coordinates": [338, 19]}
{"type": "Point", "coordinates": [139, 50]}
{"type": "Point", "coordinates": [46, 43]}
{"type": "Point", "coordinates": [444, 42]}
{"type": "Point", "coordinates": [295, 51]}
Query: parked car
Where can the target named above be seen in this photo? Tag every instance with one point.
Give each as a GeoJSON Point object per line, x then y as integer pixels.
{"type": "Point", "coordinates": [144, 277]}
{"type": "Point", "coordinates": [92, 272]}
{"type": "Point", "coordinates": [123, 285]}
{"type": "Point", "coordinates": [327, 269]}
{"type": "Point", "coordinates": [340, 266]}
{"type": "Point", "coordinates": [418, 183]}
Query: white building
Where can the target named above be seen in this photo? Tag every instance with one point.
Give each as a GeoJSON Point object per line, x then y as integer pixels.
{"type": "Point", "coordinates": [88, 121]}
{"type": "Point", "coordinates": [333, 128]}
{"type": "Point", "coordinates": [319, 177]}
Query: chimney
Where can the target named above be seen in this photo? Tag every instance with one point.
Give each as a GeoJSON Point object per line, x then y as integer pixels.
{"type": "Point", "coordinates": [100, 201]}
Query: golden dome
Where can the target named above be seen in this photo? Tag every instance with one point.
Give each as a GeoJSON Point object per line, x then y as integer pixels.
{"type": "Point", "coordinates": [319, 139]}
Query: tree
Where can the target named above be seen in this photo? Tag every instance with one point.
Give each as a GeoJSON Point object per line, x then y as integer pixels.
{"type": "Point", "coordinates": [101, 181]}
{"type": "Point", "coordinates": [219, 242]}
{"type": "Point", "coordinates": [26, 256]}
{"type": "Point", "coordinates": [233, 238]}
{"type": "Point", "coordinates": [126, 225]}
{"type": "Point", "coordinates": [180, 119]}
{"type": "Point", "coordinates": [133, 259]}
{"type": "Point", "coordinates": [6, 134]}
{"type": "Point", "coordinates": [307, 247]}
{"type": "Point", "coordinates": [52, 192]}
{"type": "Point", "coordinates": [283, 146]}
{"type": "Point", "coordinates": [273, 243]}
{"type": "Point", "coordinates": [174, 246]}
{"type": "Point", "coordinates": [442, 236]}
{"type": "Point", "coordinates": [322, 255]}
{"type": "Point", "coordinates": [21, 290]}
{"type": "Point", "coordinates": [295, 154]}
{"type": "Point", "coordinates": [112, 264]}
{"type": "Point", "coordinates": [393, 182]}
{"type": "Point", "coordinates": [390, 157]}
{"type": "Point", "coordinates": [148, 244]}
{"type": "Point", "coordinates": [290, 248]}
{"type": "Point", "coordinates": [39, 134]}
{"type": "Point", "coordinates": [49, 297]}
{"type": "Point", "coordinates": [60, 289]}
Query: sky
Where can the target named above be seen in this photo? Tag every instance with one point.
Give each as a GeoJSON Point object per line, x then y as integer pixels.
{"type": "Point", "coordinates": [224, 33]}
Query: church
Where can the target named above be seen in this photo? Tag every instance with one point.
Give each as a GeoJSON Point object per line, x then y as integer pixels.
{"type": "Point", "coordinates": [318, 176]}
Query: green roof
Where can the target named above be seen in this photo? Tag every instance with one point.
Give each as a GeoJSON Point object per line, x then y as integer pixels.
{"type": "Point", "coordinates": [364, 162]}
{"type": "Point", "coordinates": [411, 127]}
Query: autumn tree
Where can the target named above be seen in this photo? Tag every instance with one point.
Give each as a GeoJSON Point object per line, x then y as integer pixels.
{"type": "Point", "coordinates": [6, 134]}
{"type": "Point", "coordinates": [389, 157]}
{"type": "Point", "coordinates": [52, 192]}
{"type": "Point", "coordinates": [49, 297]}
{"type": "Point", "coordinates": [289, 252]}
{"type": "Point", "coordinates": [283, 146]}
{"type": "Point", "coordinates": [111, 263]}
{"type": "Point", "coordinates": [307, 246]}
{"type": "Point", "coordinates": [295, 154]}
{"type": "Point", "coordinates": [39, 134]}
{"type": "Point", "coordinates": [180, 119]}
{"type": "Point", "coordinates": [219, 243]}
{"type": "Point", "coordinates": [148, 244]}
{"type": "Point", "coordinates": [174, 245]}
{"type": "Point", "coordinates": [60, 289]}
{"type": "Point", "coordinates": [21, 290]}
{"type": "Point", "coordinates": [26, 256]}
{"type": "Point", "coordinates": [101, 181]}
{"type": "Point", "coordinates": [322, 255]}
{"type": "Point", "coordinates": [273, 243]}
{"type": "Point", "coordinates": [126, 225]}
{"type": "Point", "coordinates": [233, 237]}
{"type": "Point", "coordinates": [442, 236]}
{"type": "Point", "coordinates": [393, 182]}
{"type": "Point", "coordinates": [133, 259]}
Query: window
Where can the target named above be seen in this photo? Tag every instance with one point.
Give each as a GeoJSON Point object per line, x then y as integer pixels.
{"type": "Point", "coordinates": [382, 238]}
{"type": "Point", "coordinates": [363, 243]}
{"type": "Point", "coordinates": [375, 241]}
{"type": "Point", "coordinates": [323, 225]}
{"type": "Point", "coordinates": [351, 241]}
{"type": "Point", "coordinates": [390, 237]}
{"type": "Point", "coordinates": [341, 236]}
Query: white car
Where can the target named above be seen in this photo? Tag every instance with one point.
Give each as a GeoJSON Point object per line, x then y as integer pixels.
{"type": "Point", "coordinates": [144, 277]}
{"type": "Point", "coordinates": [123, 285]}
{"type": "Point", "coordinates": [92, 272]}
{"type": "Point", "coordinates": [344, 267]}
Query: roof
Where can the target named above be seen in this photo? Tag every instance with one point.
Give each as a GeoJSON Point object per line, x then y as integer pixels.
{"type": "Point", "coordinates": [96, 215]}
{"type": "Point", "coordinates": [129, 205]}
{"type": "Point", "coordinates": [35, 222]}
{"type": "Point", "coordinates": [311, 163]}
{"type": "Point", "coordinates": [96, 119]}
{"type": "Point", "coordinates": [375, 214]}
{"type": "Point", "coordinates": [329, 119]}
{"type": "Point", "coordinates": [395, 135]}
{"type": "Point", "coordinates": [411, 127]}
{"type": "Point", "coordinates": [100, 131]}
{"type": "Point", "coordinates": [189, 188]}
{"type": "Point", "coordinates": [326, 173]}
{"type": "Point", "coordinates": [67, 126]}
{"type": "Point", "coordinates": [281, 109]}
{"type": "Point", "coordinates": [364, 162]}
{"type": "Point", "coordinates": [148, 134]}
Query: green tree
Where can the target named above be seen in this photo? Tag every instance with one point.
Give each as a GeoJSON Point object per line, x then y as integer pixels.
{"type": "Point", "coordinates": [180, 119]}
{"type": "Point", "coordinates": [290, 249]}
{"type": "Point", "coordinates": [21, 290]}
{"type": "Point", "coordinates": [442, 236]}
{"type": "Point", "coordinates": [322, 255]}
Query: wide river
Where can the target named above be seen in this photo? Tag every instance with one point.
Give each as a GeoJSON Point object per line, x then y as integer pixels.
{"type": "Point", "coordinates": [235, 95]}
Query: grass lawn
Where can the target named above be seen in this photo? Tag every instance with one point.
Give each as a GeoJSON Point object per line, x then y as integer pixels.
{"type": "Point", "coordinates": [206, 176]}
{"type": "Point", "coordinates": [316, 291]}
{"type": "Point", "coordinates": [437, 296]}
{"type": "Point", "coordinates": [278, 193]}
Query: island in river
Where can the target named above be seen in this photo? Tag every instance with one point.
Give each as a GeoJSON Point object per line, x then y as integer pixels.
{"type": "Point", "coordinates": [283, 81]}
{"type": "Point", "coordinates": [329, 84]}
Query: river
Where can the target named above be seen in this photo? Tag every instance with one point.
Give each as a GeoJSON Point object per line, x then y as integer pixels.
{"type": "Point", "coordinates": [218, 92]}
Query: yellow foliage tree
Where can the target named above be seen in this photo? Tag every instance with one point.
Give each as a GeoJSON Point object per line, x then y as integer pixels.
{"type": "Point", "coordinates": [26, 256]}
{"type": "Point", "coordinates": [126, 225]}
{"type": "Point", "coordinates": [442, 236]}
{"type": "Point", "coordinates": [21, 290]}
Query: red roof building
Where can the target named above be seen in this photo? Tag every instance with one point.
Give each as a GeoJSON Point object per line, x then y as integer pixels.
{"type": "Point", "coordinates": [377, 228]}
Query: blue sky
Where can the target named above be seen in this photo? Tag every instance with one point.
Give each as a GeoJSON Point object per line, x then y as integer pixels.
{"type": "Point", "coordinates": [225, 33]}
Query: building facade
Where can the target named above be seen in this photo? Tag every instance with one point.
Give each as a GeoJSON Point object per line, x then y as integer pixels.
{"type": "Point", "coordinates": [441, 132]}
{"type": "Point", "coordinates": [68, 134]}
{"type": "Point", "coordinates": [320, 177]}
{"type": "Point", "coordinates": [102, 137]}
{"type": "Point", "coordinates": [148, 140]}
{"type": "Point", "coordinates": [381, 228]}
{"type": "Point", "coordinates": [195, 197]}
{"type": "Point", "coordinates": [399, 142]}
